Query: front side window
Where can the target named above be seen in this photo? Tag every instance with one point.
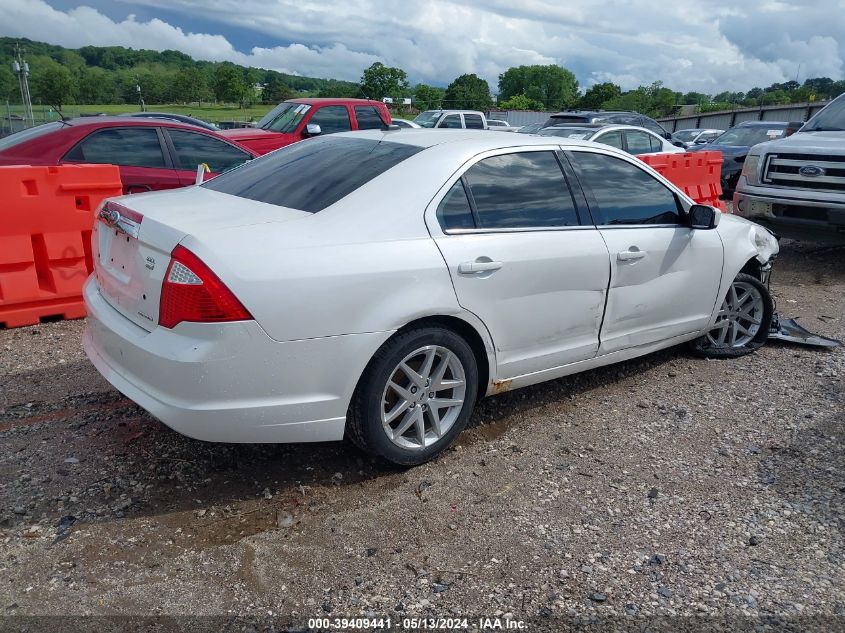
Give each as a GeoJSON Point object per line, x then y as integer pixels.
{"type": "Point", "coordinates": [314, 174]}
{"type": "Point", "coordinates": [454, 211]}
{"type": "Point", "coordinates": [521, 190]}
{"type": "Point", "coordinates": [638, 142]}
{"type": "Point", "coordinates": [368, 118]}
{"type": "Point", "coordinates": [193, 149]}
{"type": "Point", "coordinates": [332, 119]}
{"type": "Point", "coordinates": [129, 147]}
{"type": "Point", "coordinates": [474, 121]}
{"type": "Point", "coordinates": [624, 193]}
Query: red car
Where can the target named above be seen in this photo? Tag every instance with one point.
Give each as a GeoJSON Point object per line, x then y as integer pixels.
{"type": "Point", "coordinates": [152, 154]}
{"type": "Point", "coordinates": [295, 119]}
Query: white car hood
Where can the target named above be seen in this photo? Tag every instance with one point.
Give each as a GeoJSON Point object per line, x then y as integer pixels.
{"type": "Point", "coordinates": [809, 142]}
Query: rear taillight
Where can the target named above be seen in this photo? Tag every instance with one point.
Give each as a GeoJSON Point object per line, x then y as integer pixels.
{"type": "Point", "coordinates": [192, 292]}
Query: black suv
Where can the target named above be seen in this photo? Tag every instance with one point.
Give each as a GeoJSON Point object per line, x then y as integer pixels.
{"type": "Point", "coordinates": [601, 116]}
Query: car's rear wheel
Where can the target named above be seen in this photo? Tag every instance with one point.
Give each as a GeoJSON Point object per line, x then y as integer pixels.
{"type": "Point", "coordinates": [742, 324]}
{"type": "Point", "coordinates": [415, 396]}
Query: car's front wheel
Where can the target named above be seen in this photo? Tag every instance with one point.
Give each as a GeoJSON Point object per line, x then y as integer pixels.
{"type": "Point", "coordinates": [415, 396]}
{"type": "Point", "coordinates": [742, 324]}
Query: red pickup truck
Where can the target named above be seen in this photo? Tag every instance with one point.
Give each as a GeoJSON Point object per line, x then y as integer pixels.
{"type": "Point", "coordinates": [296, 119]}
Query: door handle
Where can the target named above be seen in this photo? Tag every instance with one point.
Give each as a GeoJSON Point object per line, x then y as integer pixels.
{"type": "Point", "coordinates": [472, 268]}
{"type": "Point", "coordinates": [138, 188]}
{"type": "Point", "coordinates": [630, 256]}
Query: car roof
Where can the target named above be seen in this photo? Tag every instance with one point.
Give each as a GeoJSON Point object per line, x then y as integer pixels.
{"type": "Point", "coordinates": [108, 121]}
{"type": "Point", "coordinates": [762, 124]}
{"type": "Point", "coordinates": [591, 112]}
{"type": "Point", "coordinates": [476, 140]}
{"type": "Point", "coordinates": [333, 100]}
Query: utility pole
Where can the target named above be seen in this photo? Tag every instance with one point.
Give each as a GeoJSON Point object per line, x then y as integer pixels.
{"type": "Point", "coordinates": [140, 98]}
{"type": "Point", "coordinates": [21, 69]}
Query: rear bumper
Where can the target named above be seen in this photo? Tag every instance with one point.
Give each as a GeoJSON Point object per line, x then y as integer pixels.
{"type": "Point", "coordinates": [229, 382]}
{"type": "Point", "coordinates": [794, 218]}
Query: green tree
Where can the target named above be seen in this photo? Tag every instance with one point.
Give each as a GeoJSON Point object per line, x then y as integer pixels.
{"type": "Point", "coordinates": [469, 92]}
{"type": "Point", "coordinates": [555, 87]}
{"type": "Point", "coordinates": [599, 94]}
{"type": "Point", "coordinates": [8, 85]}
{"type": "Point", "coordinates": [190, 84]}
{"type": "Point", "coordinates": [379, 81]}
{"type": "Point", "coordinates": [96, 85]}
{"type": "Point", "coordinates": [53, 85]}
{"type": "Point", "coordinates": [520, 102]}
{"type": "Point", "coordinates": [228, 83]}
{"type": "Point", "coordinates": [428, 97]}
{"type": "Point", "coordinates": [697, 98]}
{"type": "Point", "coordinates": [275, 90]}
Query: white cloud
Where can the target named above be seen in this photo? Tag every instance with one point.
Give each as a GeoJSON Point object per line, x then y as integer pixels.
{"type": "Point", "coordinates": [693, 45]}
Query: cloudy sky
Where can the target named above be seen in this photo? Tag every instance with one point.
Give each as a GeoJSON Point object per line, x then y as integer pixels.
{"type": "Point", "coordinates": [703, 45]}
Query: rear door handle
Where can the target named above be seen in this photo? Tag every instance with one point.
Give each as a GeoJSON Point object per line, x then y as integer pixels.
{"type": "Point", "coordinates": [472, 268]}
{"type": "Point", "coordinates": [629, 256]}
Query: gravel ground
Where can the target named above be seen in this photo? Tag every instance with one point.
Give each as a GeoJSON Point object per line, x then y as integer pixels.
{"type": "Point", "coordinates": [665, 486]}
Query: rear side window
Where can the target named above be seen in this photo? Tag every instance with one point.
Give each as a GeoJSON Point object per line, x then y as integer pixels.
{"type": "Point", "coordinates": [624, 193]}
{"type": "Point", "coordinates": [313, 174]}
{"type": "Point", "coordinates": [193, 149]}
{"type": "Point", "coordinates": [473, 121]}
{"type": "Point", "coordinates": [521, 190]}
{"type": "Point", "coordinates": [131, 147]}
{"type": "Point", "coordinates": [332, 119]}
{"type": "Point", "coordinates": [454, 211]}
{"type": "Point", "coordinates": [368, 118]}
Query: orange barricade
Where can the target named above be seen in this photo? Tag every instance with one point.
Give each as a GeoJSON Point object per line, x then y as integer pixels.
{"type": "Point", "coordinates": [46, 217]}
{"type": "Point", "coordinates": [699, 174]}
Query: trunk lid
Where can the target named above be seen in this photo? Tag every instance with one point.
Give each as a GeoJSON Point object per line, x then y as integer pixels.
{"type": "Point", "coordinates": [134, 236]}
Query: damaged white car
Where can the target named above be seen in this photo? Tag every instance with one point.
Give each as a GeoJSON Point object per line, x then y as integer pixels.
{"type": "Point", "coordinates": [374, 285]}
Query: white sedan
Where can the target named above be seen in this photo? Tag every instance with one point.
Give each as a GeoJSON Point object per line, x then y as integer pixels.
{"type": "Point", "coordinates": [374, 285]}
{"type": "Point", "coordinates": [634, 140]}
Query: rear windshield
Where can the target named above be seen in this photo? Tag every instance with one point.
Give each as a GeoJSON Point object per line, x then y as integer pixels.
{"type": "Point", "coordinates": [27, 135]}
{"type": "Point", "coordinates": [559, 120]}
{"type": "Point", "coordinates": [312, 174]}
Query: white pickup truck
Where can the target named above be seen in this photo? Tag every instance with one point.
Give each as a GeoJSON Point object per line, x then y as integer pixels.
{"type": "Point", "coordinates": [796, 185]}
{"type": "Point", "coordinates": [458, 119]}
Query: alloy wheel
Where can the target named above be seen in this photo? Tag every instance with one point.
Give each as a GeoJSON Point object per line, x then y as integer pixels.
{"type": "Point", "coordinates": [739, 318]}
{"type": "Point", "coordinates": [423, 397]}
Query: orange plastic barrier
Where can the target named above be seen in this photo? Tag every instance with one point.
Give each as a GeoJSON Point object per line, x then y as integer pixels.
{"type": "Point", "coordinates": [699, 174]}
{"type": "Point", "coordinates": [46, 217]}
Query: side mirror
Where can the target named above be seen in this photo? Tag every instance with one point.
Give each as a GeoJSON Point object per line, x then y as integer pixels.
{"type": "Point", "coordinates": [312, 129]}
{"type": "Point", "coordinates": [702, 216]}
{"type": "Point", "coordinates": [679, 144]}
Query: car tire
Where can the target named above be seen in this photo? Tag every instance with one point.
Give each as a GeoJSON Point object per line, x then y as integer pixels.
{"type": "Point", "coordinates": [743, 322]}
{"type": "Point", "coordinates": [408, 370]}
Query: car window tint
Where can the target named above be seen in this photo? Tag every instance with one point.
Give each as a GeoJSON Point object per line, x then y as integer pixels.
{"type": "Point", "coordinates": [474, 121]}
{"type": "Point", "coordinates": [524, 189]}
{"type": "Point", "coordinates": [132, 147]}
{"type": "Point", "coordinates": [652, 125]}
{"type": "Point", "coordinates": [656, 143]}
{"type": "Point", "coordinates": [193, 149]}
{"type": "Point", "coordinates": [368, 118]}
{"type": "Point", "coordinates": [624, 193]}
{"type": "Point", "coordinates": [638, 142]}
{"type": "Point", "coordinates": [313, 174]}
{"type": "Point", "coordinates": [332, 119]}
{"type": "Point", "coordinates": [451, 121]}
{"type": "Point", "coordinates": [454, 211]}
{"type": "Point", "coordinates": [614, 139]}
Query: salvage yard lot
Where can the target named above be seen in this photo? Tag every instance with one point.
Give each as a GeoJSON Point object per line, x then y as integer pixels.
{"type": "Point", "coordinates": [664, 485]}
